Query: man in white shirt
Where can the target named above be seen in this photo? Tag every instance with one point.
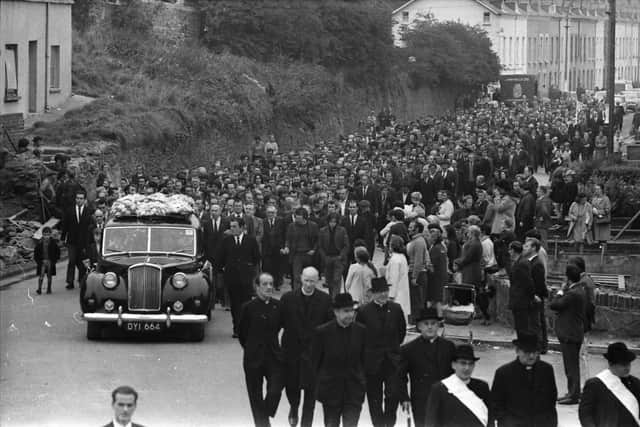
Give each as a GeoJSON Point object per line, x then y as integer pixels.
{"type": "Point", "coordinates": [124, 400]}
{"type": "Point", "coordinates": [446, 208]}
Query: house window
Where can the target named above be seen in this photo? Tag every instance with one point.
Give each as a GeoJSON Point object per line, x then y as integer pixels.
{"type": "Point", "coordinates": [405, 16]}
{"type": "Point", "coordinates": [55, 67]}
{"type": "Point", "coordinates": [486, 19]}
{"type": "Point", "coordinates": [11, 73]}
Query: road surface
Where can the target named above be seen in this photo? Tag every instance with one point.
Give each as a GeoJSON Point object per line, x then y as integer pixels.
{"type": "Point", "coordinates": [50, 375]}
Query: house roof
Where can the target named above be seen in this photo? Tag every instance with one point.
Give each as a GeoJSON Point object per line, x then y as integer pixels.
{"type": "Point", "coordinates": [484, 3]}
{"type": "Point", "coordinates": [49, 1]}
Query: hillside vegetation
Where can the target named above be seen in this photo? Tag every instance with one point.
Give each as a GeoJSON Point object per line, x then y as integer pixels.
{"type": "Point", "coordinates": [302, 68]}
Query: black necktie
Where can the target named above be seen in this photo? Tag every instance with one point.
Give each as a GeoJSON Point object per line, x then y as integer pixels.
{"type": "Point", "coordinates": [353, 220]}
{"type": "Point", "coordinates": [237, 241]}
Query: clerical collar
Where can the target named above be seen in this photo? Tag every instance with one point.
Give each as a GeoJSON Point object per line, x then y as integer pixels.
{"type": "Point", "coordinates": [307, 294]}
{"type": "Point", "coordinates": [379, 304]}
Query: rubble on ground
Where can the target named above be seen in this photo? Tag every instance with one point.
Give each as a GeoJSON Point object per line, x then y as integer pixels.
{"type": "Point", "coordinates": [16, 241]}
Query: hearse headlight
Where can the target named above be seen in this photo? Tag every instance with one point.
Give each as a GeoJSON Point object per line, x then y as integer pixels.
{"type": "Point", "coordinates": [179, 280]}
{"type": "Point", "coordinates": [110, 280]}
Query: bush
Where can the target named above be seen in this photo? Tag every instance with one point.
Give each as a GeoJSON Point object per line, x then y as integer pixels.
{"type": "Point", "coordinates": [451, 54]}
{"type": "Point", "coordinates": [354, 37]}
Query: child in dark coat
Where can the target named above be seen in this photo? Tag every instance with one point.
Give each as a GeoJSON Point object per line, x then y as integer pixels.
{"type": "Point", "coordinates": [46, 255]}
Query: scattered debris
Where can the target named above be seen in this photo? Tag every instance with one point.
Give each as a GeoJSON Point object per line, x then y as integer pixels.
{"type": "Point", "coordinates": [29, 296]}
{"type": "Point", "coordinates": [47, 324]}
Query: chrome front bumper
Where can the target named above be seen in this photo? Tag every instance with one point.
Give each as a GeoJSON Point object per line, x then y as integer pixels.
{"type": "Point", "coordinates": [167, 317]}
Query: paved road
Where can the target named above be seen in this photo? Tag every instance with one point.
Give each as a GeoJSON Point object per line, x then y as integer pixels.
{"type": "Point", "coordinates": [50, 375]}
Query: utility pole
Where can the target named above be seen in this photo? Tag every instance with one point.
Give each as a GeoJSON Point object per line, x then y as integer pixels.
{"type": "Point", "coordinates": [566, 50]}
{"type": "Point", "coordinates": [611, 72]}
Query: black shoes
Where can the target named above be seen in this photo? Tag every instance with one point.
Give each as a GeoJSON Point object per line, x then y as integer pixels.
{"type": "Point", "coordinates": [69, 286]}
{"type": "Point", "coordinates": [38, 291]}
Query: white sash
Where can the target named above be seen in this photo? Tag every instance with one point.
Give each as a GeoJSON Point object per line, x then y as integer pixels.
{"type": "Point", "coordinates": [621, 392]}
{"type": "Point", "coordinates": [467, 397]}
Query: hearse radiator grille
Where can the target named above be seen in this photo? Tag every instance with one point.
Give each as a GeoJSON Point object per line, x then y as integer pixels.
{"type": "Point", "coordinates": [144, 287]}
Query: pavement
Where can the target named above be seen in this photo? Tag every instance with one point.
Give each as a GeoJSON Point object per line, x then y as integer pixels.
{"type": "Point", "coordinates": [50, 375]}
{"type": "Point", "coordinates": [55, 113]}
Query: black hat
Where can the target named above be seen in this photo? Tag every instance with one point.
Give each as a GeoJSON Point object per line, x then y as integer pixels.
{"type": "Point", "coordinates": [527, 342]}
{"type": "Point", "coordinates": [379, 284]}
{"type": "Point", "coordinates": [619, 353]}
{"type": "Point", "coordinates": [434, 227]}
{"type": "Point", "coordinates": [428, 313]}
{"type": "Point", "coordinates": [343, 301]}
{"type": "Point", "coordinates": [464, 352]}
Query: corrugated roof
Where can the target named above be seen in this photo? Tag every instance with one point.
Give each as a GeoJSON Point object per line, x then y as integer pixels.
{"type": "Point", "coordinates": [43, 1]}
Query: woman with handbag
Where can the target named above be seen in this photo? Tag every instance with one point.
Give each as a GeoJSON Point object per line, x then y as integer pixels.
{"type": "Point", "coordinates": [601, 216]}
{"type": "Point", "coordinates": [581, 221]}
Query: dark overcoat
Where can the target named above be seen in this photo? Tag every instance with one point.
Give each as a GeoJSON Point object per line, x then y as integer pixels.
{"type": "Point", "coordinates": [341, 378]}
{"type": "Point", "coordinates": [523, 398]}
{"type": "Point", "coordinates": [600, 408]}
{"type": "Point", "coordinates": [445, 410]}
{"type": "Point", "coordinates": [385, 333]}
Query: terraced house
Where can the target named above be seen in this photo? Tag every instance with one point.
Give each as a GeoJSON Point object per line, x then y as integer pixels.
{"type": "Point", "coordinates": [35, 57]}
{"type": "Point", "coordinates": [562, 42]}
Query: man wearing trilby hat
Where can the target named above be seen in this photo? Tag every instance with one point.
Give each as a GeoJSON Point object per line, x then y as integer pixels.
{"type": "Point", "coordinates": [459, 400]}
{"type": "Point", "coordinates": [386, 329]}
{"type": "Point", "coordinates": [612, 398]}
{"type": "Point", "coordinates": [524, 391]}
{"type": "Point", "coordinates": [426, 360]}
{"type": "Point", "coordinates": [338, 359]}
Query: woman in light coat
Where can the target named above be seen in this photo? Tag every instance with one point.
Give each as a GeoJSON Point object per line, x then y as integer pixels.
{"type": "Point", "coordinates": [358, 282]}
{"type": "Point", "coordinates": [581, 220]}
{"type": "Point", "coordinates": [397, 275]}
{"type": "Point", "coordinates": [503, 208]}
{"type": "Point", "coordinates": [601, 216]}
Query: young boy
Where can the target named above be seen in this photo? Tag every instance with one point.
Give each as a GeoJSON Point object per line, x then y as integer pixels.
{"type": "Point", "coordinates": [46, 254]}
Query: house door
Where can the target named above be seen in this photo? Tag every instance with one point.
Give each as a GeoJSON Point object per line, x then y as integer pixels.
{"type": "Point", "coordinates": [33, 76]}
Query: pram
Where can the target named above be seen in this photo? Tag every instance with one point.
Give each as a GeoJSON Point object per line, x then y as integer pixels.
{"type": "Point", "coordinates": [464, 312]}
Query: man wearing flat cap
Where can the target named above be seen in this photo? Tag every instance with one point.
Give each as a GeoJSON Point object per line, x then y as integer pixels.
{"type": "Point", "coordinates": [386, 329]}
{"type": "Point", "coordinates": [338, 360]}
{"type": "Point", "coordinates": [524, 391]}
{"type": "Point", "coordinates": [425, 360]}
{"type": "Point", "coordinates": [460, 400]}
{"type": "Point", "coordinates": [612, 398]}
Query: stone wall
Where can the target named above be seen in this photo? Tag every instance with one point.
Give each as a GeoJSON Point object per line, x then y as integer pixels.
{"type": "Point", "coordinates": [14, 124]}
{"type": "Point", "coordinates": [615, 312]}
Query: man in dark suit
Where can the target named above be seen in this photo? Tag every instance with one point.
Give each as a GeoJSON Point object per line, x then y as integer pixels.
{"type": "Point", "coordinates": [470, 261]}
{"type": "Point", "coordinates": [302, 311]}
{"type": "Point", "coordinates": [272, 245]}
{"type": "Point", "coordinates": [333, 246]}
{"type": "Point", "coordinates": [338, 359]}
{"type": "Point", "coordinates": [570, 303]}
{"type": "Point", "coordinates": [426, 360]}
{"type": "Point", "coordinates": [524, 391]}
{"type": "Point", "coordinates": [386, 329]}
{"type": "Point", "coordinates": [544, 210]}
{"type": "Point", "coordinates": [124, 400]}
{"type": "Point", "coordinates": [356, 225]}
{"type": "Point", "coordinates": [460, 400]}
{"type": "Point", "coordinates": [525, 211]}
{"type": "Point", "coordinates": [239, 258]}
{"type": "Point", "coordinates": [521, 291]}
{"type": "Point", "coordinates": [449, 178]}
{"type": "Point", "coordinates": [429, 186]}
{"type": "Point", "coordinates": [530, 250]}
{"type": "Point", "coordinates": [612, 397]}
{"type": "Point", "coordinates": [213, 229]}
{"type": "Point", "coordinates": [368, 191]}
{"type": "Point", "coordinates": [76, 232]}
{"type": "Point", "coordinates": [301, 244]}
{"type": "Point", "coordinates": [260, 324]}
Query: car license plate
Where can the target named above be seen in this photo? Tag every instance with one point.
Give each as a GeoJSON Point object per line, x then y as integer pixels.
{"type": "Point", "coordinates": [143, 326]}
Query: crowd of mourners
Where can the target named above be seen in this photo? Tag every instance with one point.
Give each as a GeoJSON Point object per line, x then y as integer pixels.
{"type": "Point", "coordinates": [452, 199]}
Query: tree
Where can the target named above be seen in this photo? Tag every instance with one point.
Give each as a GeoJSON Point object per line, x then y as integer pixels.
{"type": "Point", "coordinates": [451, 54]}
